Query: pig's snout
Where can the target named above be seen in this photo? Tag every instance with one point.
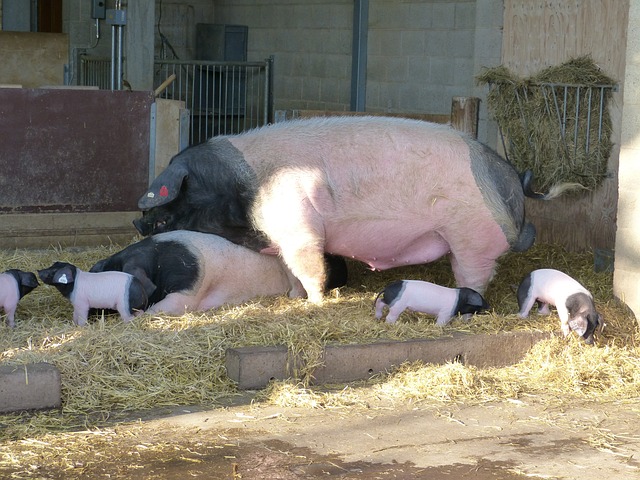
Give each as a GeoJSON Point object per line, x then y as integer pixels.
{"type": "Point", "coordinates": [142, 227]}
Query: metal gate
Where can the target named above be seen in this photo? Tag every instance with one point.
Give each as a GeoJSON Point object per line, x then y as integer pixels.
{"type": "Point", "coordinates": [222, 97]}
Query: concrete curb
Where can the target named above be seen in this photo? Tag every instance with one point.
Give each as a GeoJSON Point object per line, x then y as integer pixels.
{"type": "Point", "coordinates": [29, 387]}
{"type": "Point", "coordinates": [254, 367]}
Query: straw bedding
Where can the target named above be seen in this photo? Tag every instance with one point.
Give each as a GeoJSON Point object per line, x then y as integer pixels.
{"type": "Point", "coordinates": [109, 368]}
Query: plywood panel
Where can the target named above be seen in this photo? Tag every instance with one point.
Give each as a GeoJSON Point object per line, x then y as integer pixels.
{"type": "Point", "coordinates": [33, 59]}
{"type": "Point", "coordinates": [541, 33]}
{"type": "Point", "coordinates": [73, 150]}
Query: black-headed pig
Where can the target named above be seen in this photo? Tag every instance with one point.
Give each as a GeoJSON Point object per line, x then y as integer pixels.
{"type": "Point", "coordinates": [573, 302]}
{"type": "Point", "coordinates": [15, 284]}
{"type": "Point", "coordinates": [388, 192]}
{"type": "Point", "coordinates": [85, 290]}
{"type": "Point", "coordinates": [426, 297]}
{"type": "Point", "coordinates": [192, 271]}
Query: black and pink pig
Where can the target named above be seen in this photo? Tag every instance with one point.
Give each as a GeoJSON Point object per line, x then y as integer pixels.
{"type": "Point", "coordinates": [15, 284]}
{"type": "Point", "coordinates": [192, 271]}
{"type": "Point", "coordinates": [85, 290]}
{"type": "Point", "coordinates": [426, 297]}
{"type": "Point", "coordinates": [573, 302]}
{"type": "Point", "coordinates": [388, 192]}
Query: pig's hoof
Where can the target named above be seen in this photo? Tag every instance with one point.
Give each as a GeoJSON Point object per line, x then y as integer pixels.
{"type": "Point", "coordinates": [315, 299]}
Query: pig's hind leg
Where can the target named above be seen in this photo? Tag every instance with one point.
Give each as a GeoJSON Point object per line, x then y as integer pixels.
{"type": "Point", "coordinates": [470, 273]}
{"type": "Point", "coordinates": [173, 304]}
{"type": "Point", "coordinates": [526, 297]}
{"type": "Point", "coordinates": [543, 308]}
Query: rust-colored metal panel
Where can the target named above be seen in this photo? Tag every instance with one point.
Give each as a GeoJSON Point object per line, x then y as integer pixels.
{"type": "Point", "coordinates": [65, 150]}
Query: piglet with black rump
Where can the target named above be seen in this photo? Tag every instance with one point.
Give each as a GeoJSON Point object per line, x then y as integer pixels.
{"type": "Point", "coordinates": [428, 298]}
{"type": "Point", "coordinates": [573, 302]}
{"type": "Point", "coordinates": [15, 284]}
{"type": "Point", "coordinates": [111, 290]}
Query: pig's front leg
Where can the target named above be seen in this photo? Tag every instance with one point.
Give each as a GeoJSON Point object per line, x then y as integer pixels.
{"type": "Point", "coordinates": [126, 315]}
{"type": "Point", "coordinates": [297, 290]}
{"type": "Point", "coordinates": [563, 313]}
{"type": "Point", "coordinates": [394, 312]}
{"type": "Point", "coordinates": [11, 312]}
{"type": "Point", "coordinates": [80, 314]}
{"type": "Point", "coordinates": [288, 213]}
{"type": "Point", "coordinates": [307, 264]}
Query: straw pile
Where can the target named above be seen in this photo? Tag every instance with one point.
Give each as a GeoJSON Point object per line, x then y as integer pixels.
{"type": "Point", "coordinates": [109, 368]}
{"type": "Point", "coordinates": [538, 137]}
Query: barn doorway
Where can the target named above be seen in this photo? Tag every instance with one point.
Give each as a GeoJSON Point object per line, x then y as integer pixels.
{"type": "Point", "coordinates": [49, 16]}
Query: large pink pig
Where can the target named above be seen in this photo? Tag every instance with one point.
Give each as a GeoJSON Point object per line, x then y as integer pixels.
{"type": "Point", "coordinates": [386, 191]}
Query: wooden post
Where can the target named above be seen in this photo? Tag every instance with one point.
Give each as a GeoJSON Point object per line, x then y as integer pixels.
{"type": "Point", "coordinates": [464, 114]}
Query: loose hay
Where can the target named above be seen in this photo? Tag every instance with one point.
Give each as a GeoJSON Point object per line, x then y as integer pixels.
{"type": "Point", "coordinates": [109, 368]}
{"type": "Point", "coordinates": [558, 148]}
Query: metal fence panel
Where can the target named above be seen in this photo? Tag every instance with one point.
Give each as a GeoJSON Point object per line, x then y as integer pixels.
{"type": "Point", "coordinates": [223, 97]}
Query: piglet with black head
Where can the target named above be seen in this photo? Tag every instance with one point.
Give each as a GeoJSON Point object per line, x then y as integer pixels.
{"type": "Point", "coordinates": [573, 302]}
{"type": "Point", "coordinates": [111, 290]}
{"type": "Point", "coordinates": [15, 284]}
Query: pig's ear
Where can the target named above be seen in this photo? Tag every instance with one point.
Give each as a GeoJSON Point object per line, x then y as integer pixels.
{"type": "Point", "coordinates": [141, 275]}
{"type": "Point", "coordinates": [28, 279]}
{"type": "Point", "coordinates": [99, 266]}
{"type": "Point", "coordinates": [64, 276]}
{"type": "Point", "coordinates": [578, 325]}
{"type": "Point", "coordinates": [165, 187]}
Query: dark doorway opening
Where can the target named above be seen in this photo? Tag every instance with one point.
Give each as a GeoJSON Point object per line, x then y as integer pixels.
{"type": "Point", "coordinates": [50, 16]}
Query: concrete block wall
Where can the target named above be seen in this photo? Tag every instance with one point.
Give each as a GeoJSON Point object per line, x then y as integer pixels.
{"type": "Point", "coordinates": [311, 43]}
{"type": "Point", "coordinates": [421, 53]}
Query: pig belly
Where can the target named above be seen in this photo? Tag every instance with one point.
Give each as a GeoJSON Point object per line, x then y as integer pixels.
{"type": "Point", "coordinates": [398, 248]}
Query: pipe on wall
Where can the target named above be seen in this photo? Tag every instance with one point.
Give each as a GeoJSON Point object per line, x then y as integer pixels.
{"type": "Point", "coordinates": [359, 55]}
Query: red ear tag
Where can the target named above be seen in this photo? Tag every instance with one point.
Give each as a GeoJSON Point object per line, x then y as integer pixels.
{"type": "Point", "coordinates": [164, 191]}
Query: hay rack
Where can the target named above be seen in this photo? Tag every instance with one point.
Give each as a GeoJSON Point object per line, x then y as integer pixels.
{"type": "Point", "coordinates": [561, 130]}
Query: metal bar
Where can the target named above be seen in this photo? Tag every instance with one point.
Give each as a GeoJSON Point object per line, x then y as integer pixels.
{"type": "Point", "coordinates": [113, 57]}
{"type": "Point", "coordinates": [359, 55]}
{"type": "Point", "coordinates": [586, 146]}
{"type": "Point", "coordinates": [119, 65]}
{"type": "Point", "coordinates": [601, 112]}
{"type": "Point", "coordinates": [268, 88]}
{"type": "Point", "coordinates": [575, 129]}
{"type": "Point", "coordinates": [564, 110]}
{"type": "Point", "coordinates": [561, 118]}
{"type": "Point", "coordinates": [193, 99]}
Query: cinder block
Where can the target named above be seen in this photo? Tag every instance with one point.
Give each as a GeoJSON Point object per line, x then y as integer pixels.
{"type": "Point", "coordinates": [347, 363]}
{"type": "Point", "coordinates": [254, 367]}
{"type": "Point", "coordinates": [29, 387]}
